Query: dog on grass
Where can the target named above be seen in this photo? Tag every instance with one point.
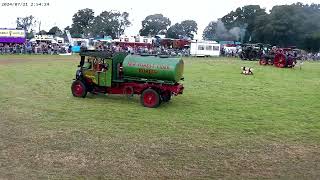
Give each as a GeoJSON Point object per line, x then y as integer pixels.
{"type": "Point", "coordinates": [247, 70]}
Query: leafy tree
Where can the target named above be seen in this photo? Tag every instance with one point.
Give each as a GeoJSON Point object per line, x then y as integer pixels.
{"type": "Point", "coordinates": [67, 28]}
{"type": "Point", "coordinates": [189, 27]}
{"type": "Point", "coordinates": [281, 30]}
{"type": "Point", "coordinates": [285, 25]}
{"type": "Point", "coordinates": [311, 43]}
{"type": "Point", "coordinates": [43, 32]}
{"type": "Point", "coordinates": [210, 31]}
{"type": "Point", "coordinates": [82, 21]}
{"type": "Point", "coordinates": [263, 30]}
{"type": "Point", "coordinates": [175, 31]}
{"type": "Point", "coordinates": [124, 22]}
{"type": "Point", "coordinates": [244, 18]}
{"type": "Point", "coordinates": [112, 23]}
{"type": "Point", "coordinates": [154, 24]}
{"type": "Point", "coordinates": [288, 24]}
{"type": "Point", "coordinates": [26, 22]}
{"type": "Point", "coordinates": [55, 31]}
{"type": "Point", "coordinates": [185, 29]}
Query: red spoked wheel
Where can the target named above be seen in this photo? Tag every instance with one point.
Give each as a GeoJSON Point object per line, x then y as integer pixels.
{"type": "Point", "coordinates": [78, 89]}
{"type": "Point", "coordinates": [263, 61]}
{"type": "Point", "coordinates": [280, 60]}
{"type": "Point", "coordinates": [150, 98]}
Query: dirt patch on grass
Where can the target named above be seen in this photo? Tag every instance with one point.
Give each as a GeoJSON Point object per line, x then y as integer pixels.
{"type": "Point", "coordinates": [29, 151]}
{"type": "Point", "coordinates": [273, 160]}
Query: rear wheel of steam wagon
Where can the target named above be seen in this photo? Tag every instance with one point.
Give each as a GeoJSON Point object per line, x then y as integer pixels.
{"type": "Point", "coordinates": [78, 89]}
{"type": "Point", "coordinates": [150, 98]}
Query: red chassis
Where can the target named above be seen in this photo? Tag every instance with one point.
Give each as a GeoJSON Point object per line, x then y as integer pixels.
{"type": "Point", "coordinates": [152, 94]}
{"type": "Point", "coordinates": [131, 88]}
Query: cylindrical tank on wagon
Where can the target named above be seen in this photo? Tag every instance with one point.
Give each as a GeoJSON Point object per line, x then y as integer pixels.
{"type": "Point", "coordinates": [152, 67]}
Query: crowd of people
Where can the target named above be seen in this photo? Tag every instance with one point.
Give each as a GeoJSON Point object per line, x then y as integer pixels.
{"type": "Point", "coordinates": [230, 52]}
{"type": "Point", "coordinates": [313, 56]}
{"type": "Point", "coordinates": [53, 49]}
{"type": "Point", "coordinates": [142, 49]}
{"type": "Point", "coordinates": [33, 48]}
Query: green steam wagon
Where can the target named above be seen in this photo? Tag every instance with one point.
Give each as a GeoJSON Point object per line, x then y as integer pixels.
{"type": "Point", "coordinates": [156, 79]}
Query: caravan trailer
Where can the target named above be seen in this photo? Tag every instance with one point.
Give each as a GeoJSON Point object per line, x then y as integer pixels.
{"type": "Point", "coordinates": [204, 48]}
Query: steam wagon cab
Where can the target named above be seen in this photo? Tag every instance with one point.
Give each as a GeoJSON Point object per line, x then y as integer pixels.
{"type": "Point", "coordinates": [156, 79]}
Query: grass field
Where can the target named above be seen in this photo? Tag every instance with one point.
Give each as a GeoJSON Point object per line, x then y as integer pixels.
{"type": "Point", "coordinates": [225, 125]}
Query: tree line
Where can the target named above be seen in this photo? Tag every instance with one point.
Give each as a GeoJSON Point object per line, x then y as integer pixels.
{"type": "Point", "coordinates": [285, 25]}
{"type": "Point", "coordinates": [113, 23]}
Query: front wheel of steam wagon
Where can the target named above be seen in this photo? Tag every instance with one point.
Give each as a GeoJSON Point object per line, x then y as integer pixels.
{"type": "Point", "coordinates": [78, 89]}
{"type": "Point", "coordinates": [150, 98]}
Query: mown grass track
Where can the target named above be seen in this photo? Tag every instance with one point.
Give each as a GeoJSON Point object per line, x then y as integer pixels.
{"type": "Point", "coordinates": [225, 125]}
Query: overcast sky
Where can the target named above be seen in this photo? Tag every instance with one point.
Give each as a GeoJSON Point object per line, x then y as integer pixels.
{"type": "Point", "coordinates": [60, 12]}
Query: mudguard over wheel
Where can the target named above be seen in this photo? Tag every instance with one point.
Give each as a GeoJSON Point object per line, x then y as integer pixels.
{"type": "Point", "coordinates": [78, 89]}
{"type": "Point", "coordinates": [150, 98]}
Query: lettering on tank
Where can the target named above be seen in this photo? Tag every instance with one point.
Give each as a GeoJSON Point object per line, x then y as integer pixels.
{"type": "Point", "coordinates": [149, 66]}
{"type": "Point", "coordinates": [147, 71]}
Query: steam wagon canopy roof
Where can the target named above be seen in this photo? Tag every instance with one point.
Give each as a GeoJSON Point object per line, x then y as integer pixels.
{"type": "Point", "coordinates": [98, 54]}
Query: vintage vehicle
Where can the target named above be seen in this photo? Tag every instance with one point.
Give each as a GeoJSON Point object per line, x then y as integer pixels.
{"type": "Point", "coordinates": [155, 78]}
{"type": "Point", "coordinates": [279, 57]}
{"type": "Point", "coordinates": [251, 52]}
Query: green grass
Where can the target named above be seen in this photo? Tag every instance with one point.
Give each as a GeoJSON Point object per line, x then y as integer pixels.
{"type": "Point", "coordinates": [225, 125]}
